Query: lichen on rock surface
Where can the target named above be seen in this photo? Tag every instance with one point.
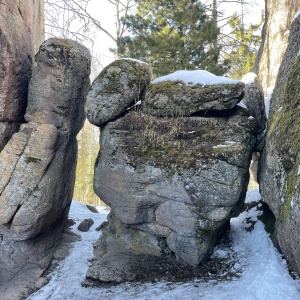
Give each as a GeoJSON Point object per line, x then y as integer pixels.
{"type": "Point", "coordinates": [177, 95]}
{"type": "Point", "coordinates": [175, 182]}
{"type": "Point", "coordinates": [279, 174]}
{"type": "Point", "coordinates": [119, 86]}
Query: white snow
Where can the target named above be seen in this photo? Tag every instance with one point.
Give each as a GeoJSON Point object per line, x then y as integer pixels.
{"type": "Point", "coordinates": [296, 15]}
{"type": "Point", "coordinates": [268, 95]}
{"type": "Point", "coordinates": [227, 144]}
{"type": "Point", "coordinates": [263, 272]}
{"type": "Point", "coordinates": [195, 77]}
{"type": "Point", "coordinates": [133, 59]}
{"type": "Point", "coordinates": [249, 78]}
{"type": "Point", "coordinates": [242, 104]}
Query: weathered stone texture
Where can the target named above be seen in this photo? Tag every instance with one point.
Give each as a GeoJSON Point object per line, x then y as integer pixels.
{"type": "Point", "coordinates": [254, 99]}
{"type": "Point", "coordinates": [119, 86]}
{"type": "Point", "coordinates": [280, 163]}
{"type": "Point", "coordinates": [21, 33]}
{"type": "Point", "coordinates": [279, 15]}
{"type": "Point", "coordinates": [6, 131]}
{"type": "Point", "coordinates": [176, 98]}
{"type": "Point", "coordinates": [38, 164]}
{"type": "Point", "coordinates": [172, 184]}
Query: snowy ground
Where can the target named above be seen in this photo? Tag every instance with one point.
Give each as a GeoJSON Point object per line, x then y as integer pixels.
{"type": "Point", "coordinates": [263, 273]}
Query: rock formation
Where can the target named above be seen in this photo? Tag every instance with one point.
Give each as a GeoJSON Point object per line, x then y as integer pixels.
{"type": "Point", "coordinates": [167, 97]}
{"type": "Point", "coordinates": [21, 33]}
{"type": "Point", "coordinates": [172, 183]}
{"type": "Point", "coordinates": [254, 101]}
{"type": "Point", "coordinates": [280, 171]}
{"type": "Point", "coordinates": [119, 86]}
{"type": "Point", "coordinates": [37, 165]}
{"type": "Point", "coordinates": [278, 18]}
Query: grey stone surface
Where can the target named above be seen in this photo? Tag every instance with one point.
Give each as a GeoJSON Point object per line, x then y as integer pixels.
{"type": "Point", "coordinates": [119, 86]}
{"type": "Point", "coordinates": [254, 99]}
{"type": "Point", "coordinates": [22, 263]}
{"type": "Point", "coordinates": [37, 167]}
{"type": "Point", "coordinates": [176, 98]}
{"type": "Point", "coordinates": [85, 225]}
{"type": "Point", "coordinates": [172, 183]}
{"type": "Point", "coordinates": [280, 164]}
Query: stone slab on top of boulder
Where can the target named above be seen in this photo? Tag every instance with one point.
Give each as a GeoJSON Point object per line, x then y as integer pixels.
{"type": "Point", "coordinates": [119, 86]}
{"type": "Point", "coordinates": [185, 93]}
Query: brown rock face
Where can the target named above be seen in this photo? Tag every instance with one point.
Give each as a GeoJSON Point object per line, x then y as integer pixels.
{"type": "Point", "coordinates": [21, 33]}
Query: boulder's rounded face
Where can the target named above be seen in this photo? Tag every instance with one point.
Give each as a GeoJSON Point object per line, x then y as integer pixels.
{"type": "Point", "coordinates": [174, 95]}
{"type": "Point", "coordinates": [57, 90]}
{"type": "Point", "coordinates": [119, 86]}
{"type": "Point", "coordinates": [179, 179]}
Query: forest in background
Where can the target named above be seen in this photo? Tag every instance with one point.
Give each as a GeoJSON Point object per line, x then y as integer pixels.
{"type": "Point", "coordinates": [216, 35]}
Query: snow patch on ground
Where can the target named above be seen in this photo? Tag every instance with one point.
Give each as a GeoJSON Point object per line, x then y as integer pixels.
{"type": "Point", "coordinates": [263, 273]}
{"type": "Point", "coordinates": [195, 77]}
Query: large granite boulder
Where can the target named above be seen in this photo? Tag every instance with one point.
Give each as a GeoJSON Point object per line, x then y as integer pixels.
{"type": "Point", "coordinates": [185, 93]}
{"type": "Point", "coordinates": [172, 185]}
{"type": "Point", "coordinates": [21, 33]}
{"type": "Point", "coordinates": [119, 86]}
{"type": "Point", "coordinates": [37, 165]}
{"type": "Point", "coordinates": [280, 172]}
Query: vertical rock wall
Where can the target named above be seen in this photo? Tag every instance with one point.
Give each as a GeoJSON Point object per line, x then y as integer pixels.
{"type": "Point", "coordinates": [279, 16]}
{"type": "Point", "coordinates": [21, 33]}
{"type": "Point", "coordinates": [280, 163]}
{"type": "Point", "coordinates": [37, 165]}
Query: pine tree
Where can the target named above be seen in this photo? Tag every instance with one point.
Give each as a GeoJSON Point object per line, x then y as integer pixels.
{"type": "Point", "coordinates": [245, 45]}
{"type": "Point", "coordinates": [173, 35]}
